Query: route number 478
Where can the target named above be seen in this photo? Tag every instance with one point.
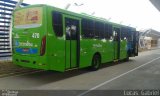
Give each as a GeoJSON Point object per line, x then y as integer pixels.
{"type": "Point", "coordinates": [35, 35]}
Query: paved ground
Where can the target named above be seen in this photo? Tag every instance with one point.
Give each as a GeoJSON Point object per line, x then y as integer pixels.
{"type": "Point", "coordinates": [142, 72]}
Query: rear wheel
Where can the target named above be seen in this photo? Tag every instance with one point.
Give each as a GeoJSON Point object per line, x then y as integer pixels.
{"type": "Point", "coordinates": [96, 62]}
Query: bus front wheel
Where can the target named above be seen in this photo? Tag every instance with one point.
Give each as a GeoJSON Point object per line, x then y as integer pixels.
{"type": "Point", "coordinates": [96, 62]}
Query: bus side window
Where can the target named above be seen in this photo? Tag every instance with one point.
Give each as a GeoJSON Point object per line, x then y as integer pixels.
{"type": "Point", "coordinates": [110, 33]}
{"type": "Point", "coordinates": [57, 23]}
{"type": "Point", "coordinates": [123, 33]}
{"type": "Point", "coordinates": [101, 30]}
{"type": "Point", "coordinates": [106, 32]}
{"type": "Point", "coordinates": [87, 28]}
{"type": "Point", "coordinates": [130, 34]}
{"type": "Point", "coordinates": [97, 30]}
{"type": "Point", "coordinates": [71, 28]}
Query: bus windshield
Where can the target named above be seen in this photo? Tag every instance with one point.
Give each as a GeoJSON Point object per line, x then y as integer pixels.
{"type": "Point", "coordinates": [28, 18]}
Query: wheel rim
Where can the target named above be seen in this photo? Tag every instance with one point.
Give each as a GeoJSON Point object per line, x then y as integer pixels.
{"type": "Point", "coordinates": [96, 62]}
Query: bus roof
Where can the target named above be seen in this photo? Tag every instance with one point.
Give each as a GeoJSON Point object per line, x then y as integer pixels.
{"type": "Point", "coordinates": [82, 15]}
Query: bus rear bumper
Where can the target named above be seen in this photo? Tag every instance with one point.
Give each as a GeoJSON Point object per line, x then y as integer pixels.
{"type": "Point", "coordinates": [36, 62]}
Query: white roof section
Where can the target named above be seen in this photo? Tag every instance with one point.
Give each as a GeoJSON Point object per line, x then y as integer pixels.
{"type": "Point", "coordinates": [150, 33]}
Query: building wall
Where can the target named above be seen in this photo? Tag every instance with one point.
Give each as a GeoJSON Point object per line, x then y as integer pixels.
{"type": "Point", "coordinates": [154, 43]}
{"type": "Point", "coordinates": [158, 43]}
{"type": "Point", "coordinates": [6, 9]}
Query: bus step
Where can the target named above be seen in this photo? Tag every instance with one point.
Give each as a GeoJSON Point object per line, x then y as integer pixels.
{"type": "Point", "coordinates": [71, 69]}
{"type": "Point", "coordinates": [115, 60]}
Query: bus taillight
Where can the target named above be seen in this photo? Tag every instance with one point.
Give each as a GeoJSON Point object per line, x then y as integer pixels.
{"type": "Point", "coordinates": [43, 46]}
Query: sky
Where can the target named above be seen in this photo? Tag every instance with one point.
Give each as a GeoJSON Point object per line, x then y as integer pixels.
{"type": "Point", "coordinates": [135, 13]}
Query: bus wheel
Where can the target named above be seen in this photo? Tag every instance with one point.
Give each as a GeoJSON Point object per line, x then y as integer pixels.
{"type": "Point", "coordinates": [96, 62]}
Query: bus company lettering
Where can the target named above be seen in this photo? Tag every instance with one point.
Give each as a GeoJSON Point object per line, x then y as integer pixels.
{"type": "Point", "coordinates": [97, 45]}
{"type": "Point", "coordinates": [26, 44]}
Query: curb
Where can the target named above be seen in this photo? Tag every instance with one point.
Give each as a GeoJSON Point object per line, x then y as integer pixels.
{"type": "Point", "coordinates": [20, 73]}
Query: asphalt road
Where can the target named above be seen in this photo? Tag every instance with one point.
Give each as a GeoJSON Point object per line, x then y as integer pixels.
{"type": "Point", "coordinates": [142, 72]}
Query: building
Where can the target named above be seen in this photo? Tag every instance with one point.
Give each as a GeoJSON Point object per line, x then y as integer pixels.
{"type": "Point", "coordinates": [6, 8]}
{"type": "Point", "coordinates": [149, 38]}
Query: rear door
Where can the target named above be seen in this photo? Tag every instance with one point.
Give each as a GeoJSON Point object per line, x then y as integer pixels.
{"type": "Point", "coordinates": [116, 34]}
{"type": "Point", "coordinates": [72, 44]}
{"type": "Point", "coordinates": [135, 42]}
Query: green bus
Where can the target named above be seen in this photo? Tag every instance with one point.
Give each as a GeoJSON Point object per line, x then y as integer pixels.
{"type": "Point", "coordinates": [50, 38]}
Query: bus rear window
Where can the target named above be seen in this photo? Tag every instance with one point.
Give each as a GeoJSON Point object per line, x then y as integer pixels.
{"type": "Point", "coordinates": [28, 18]}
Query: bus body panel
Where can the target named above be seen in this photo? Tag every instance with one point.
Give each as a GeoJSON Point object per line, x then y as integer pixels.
{"type": "Point", "coordinates": [123, 50]}
{"type": "Point", "coordinates": [55, 46]}
{"type": "Point", "coordinates": [27, 37]}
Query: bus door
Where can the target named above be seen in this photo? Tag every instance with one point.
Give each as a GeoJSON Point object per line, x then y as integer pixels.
{"type": "Point", "coordinates": [72, 43]}
{"type": "Point", "coordinates": [116, 34]}
{"type": "Point", "coordinates": [135, 43]}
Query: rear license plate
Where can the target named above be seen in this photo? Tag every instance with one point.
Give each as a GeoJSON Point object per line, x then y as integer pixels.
{"type": "Point", "coordinates": [25, 49]}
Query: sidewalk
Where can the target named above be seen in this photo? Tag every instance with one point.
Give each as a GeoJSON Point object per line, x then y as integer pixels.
{"type": "Point", "coordinates": [145, 49]}
{"type": "Point", "coordinates": [8, 68]}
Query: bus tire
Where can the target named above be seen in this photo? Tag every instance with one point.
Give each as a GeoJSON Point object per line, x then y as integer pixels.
{"type": "Point", "coordinates": [96, 62]}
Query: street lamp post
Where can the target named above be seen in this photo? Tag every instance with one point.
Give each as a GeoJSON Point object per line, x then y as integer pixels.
{"type": "Point", "coordinates": [69, 5]}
